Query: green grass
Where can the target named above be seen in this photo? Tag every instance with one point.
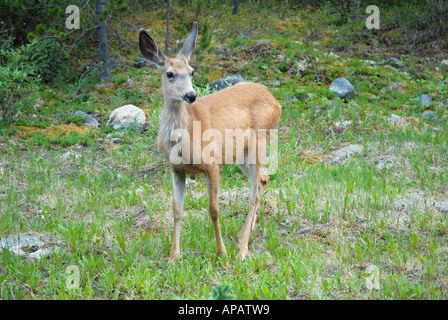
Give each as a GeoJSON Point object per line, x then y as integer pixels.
{"type": "Point", "coordinates": [320, 226]}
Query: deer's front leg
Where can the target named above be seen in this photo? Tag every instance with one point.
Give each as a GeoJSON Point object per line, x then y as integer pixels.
{"type": "Point", "coordinates": [178, 179]}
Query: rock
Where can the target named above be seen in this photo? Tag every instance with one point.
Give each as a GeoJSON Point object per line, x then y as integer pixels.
{"type": "Point", "coordinates": [394, 86]}
{"type": "Point", "coordinates": [425, 99]}
{"type": "Point", "coordinates": [385, 164]}
{"type": "Point", "coordinates": [113, 135]}
{"type": "Point", "coordinates": [410, 145]}
{"type": "Point", "coordinates": [127, 117]}
{"type": "Point", "coordinates": [299, 67]}
{"type": "Point", "coordinates": [442, 207]}
{"type": "Point", "coordinates": [341, 155]}
{"type": "Point", "coordinates": [444, 63]}
{"type": "Point", "coordinates": [394, 62]}
{"type": "Point", "coordinates": [343, 124]}
{"type": "Point", "coordinates": [90, 121]}
{"type": "Point", "coordinates": [429, 115]}
{"type": "Point", "coordinates": [70, 155]}
{"type": "Point", "coordinates": [225, 82]}
{"type": "Point", "coordinates": [331, 54]}
{"type": "Point", "coordinates": [395, 120]}
{"type": "Point", "coordinates": [343, 88]}
{"type": "Point", "coordinates": [142, 62]}
{"type": "Point", "coordinates": [371, 62]}
{"type": "Point", "coordinates": [25, 245]}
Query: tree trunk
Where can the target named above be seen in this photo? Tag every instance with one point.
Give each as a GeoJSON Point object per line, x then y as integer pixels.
{"type": "Point", "coordinates": [167, 28]}
{"type": "Point", "coordinates": [235, 6]}
{"type": "Point", "coordinates": [103, 43]}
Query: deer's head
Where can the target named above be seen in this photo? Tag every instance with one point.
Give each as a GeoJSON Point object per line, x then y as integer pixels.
{"type": "Point", "coordinates": [177, 75]}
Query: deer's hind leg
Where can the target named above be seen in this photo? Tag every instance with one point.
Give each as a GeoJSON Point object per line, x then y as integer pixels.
{"type": "Point", "coordinates": [213, 178]}
{"type": "Point", "coordinates": [258, 182]}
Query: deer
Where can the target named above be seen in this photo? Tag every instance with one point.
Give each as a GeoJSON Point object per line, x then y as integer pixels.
{"type": "Point", "coordinates": [243, 106]}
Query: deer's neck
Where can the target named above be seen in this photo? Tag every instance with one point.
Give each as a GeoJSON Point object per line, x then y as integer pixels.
{"type": "Point", "coordinates": [174, 116]}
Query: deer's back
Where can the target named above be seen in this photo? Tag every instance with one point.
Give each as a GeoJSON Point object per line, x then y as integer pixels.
{"type": "Point", "coordinates": [242, 106]}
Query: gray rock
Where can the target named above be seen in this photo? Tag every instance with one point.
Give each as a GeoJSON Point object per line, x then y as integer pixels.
{"type": "Point", "coordinates": [24, 245]}
{"type": "Point", "coordinates": [127, 117]}
{"type": "Point", "coordinates": [341, 155]}
{"type": "Point", "coordinates": [425, 99]}
{"type": "Point", "coordinates": [225, 82]}
{"type": "Point", "coordinates": [90, 121]}
{"type": "Point", "coordinates": [429, 115]}
{"type": "Point", "coordinates": [395, 120]}
{"type": "Point", "coordinates": [394, 86]}
{"type": "Point", "coordinates": [444, 63]}
{"type": "Point", "coordinates": [343, 124]}
{"type": "Point", "coordinates": [142, 62]}
{"type": "Point", "coordinates": [394, 62]}
{"type": "Point", "coordinates": [410, 145]}
{"type": "Point", "coordinates": [442, 207]}
{"type": "Point", "coordinates": [385, 164]}
{"type": "Point", "coordinates": [299, 68]}
{"type": "Point", "coordinates": [69, 155]}
{"type": "Point", "coordinates": [343, 88]}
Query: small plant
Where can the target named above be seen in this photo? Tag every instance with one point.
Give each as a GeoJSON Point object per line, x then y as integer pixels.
{"type": "Point", "coordinates": [220, 292]}
{"type": "Point", "coordinates": [76, 119]}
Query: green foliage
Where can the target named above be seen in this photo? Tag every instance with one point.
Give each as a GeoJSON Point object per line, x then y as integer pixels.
{"type": "Point", "coordinates": [221, 292]}
{"type": "Point", "coordinates": [76, 119]}
{"type": "Point", "coordinates": [18, 80]}
{"type": "Point", "coordinates": [49, 59]}
{"type": "Point", "coordinates": [206, 38]}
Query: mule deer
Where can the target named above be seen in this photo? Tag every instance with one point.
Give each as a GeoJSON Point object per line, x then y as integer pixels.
{"type": "Point", "coordinates": [245, 106]}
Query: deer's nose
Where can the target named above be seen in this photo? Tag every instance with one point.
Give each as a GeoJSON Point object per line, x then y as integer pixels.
{"type": "Point", "coordinates": [190, 97]}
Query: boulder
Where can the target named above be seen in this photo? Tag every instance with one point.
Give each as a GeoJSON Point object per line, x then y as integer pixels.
{"type": "Point", "coordinates": [395, 120]}
{"type": "Point", "coordinates": [25, 245]}
{"type": "Point", "coordinates": [425, 99]}
{"type": "Point", "coordinates": [341, 155]}
{"type": "Point", "coordinates": [127, 117]}
{"type": "Point", "coordinates": [429, 115]}
{"type": "Point", "coordinates": [225, 82]}
{"type": "Point", "coordinates": [394, 62]}
{"type": "Point", "coordinates": [343, 88]}
{"type": "Point", "coordinates": [90, 121]}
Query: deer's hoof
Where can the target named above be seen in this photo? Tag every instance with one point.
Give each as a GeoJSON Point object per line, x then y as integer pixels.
{"type": "Point", "coordinates": [173, 257]}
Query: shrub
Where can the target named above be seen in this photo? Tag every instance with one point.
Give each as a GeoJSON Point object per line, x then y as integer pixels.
{"type": "Point", "coordinates": [18, 80]}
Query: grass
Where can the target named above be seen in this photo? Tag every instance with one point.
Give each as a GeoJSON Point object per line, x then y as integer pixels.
{"type": "Point", "coordinates": [320, 227]}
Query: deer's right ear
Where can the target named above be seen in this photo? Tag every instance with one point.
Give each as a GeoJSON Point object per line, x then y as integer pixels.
{"type": "Point", "coordinates": [149, 49]}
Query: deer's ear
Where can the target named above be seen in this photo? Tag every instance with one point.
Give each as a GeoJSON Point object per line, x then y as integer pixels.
{"type": "Point", "coordinates": [149, 49]}
{"type": "Point", "coordinates": [190, 42]}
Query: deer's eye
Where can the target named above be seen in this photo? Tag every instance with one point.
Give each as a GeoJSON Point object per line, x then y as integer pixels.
{"type": "Point", "coordinates": [192, 73]}
{"type": "Point", "coordinates": [170, 75]}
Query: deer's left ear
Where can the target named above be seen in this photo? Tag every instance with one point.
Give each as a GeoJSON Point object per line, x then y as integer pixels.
{"type": "Point", "coordinates": [190, 42]}
{"type": "Point", "coordinates": [150, 49]}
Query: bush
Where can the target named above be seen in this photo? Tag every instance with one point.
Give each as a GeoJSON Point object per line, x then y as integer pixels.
{"type": "Point", "coordinates": [49, 58]}
{"type": "Point", "coordinates": [18, 80]}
